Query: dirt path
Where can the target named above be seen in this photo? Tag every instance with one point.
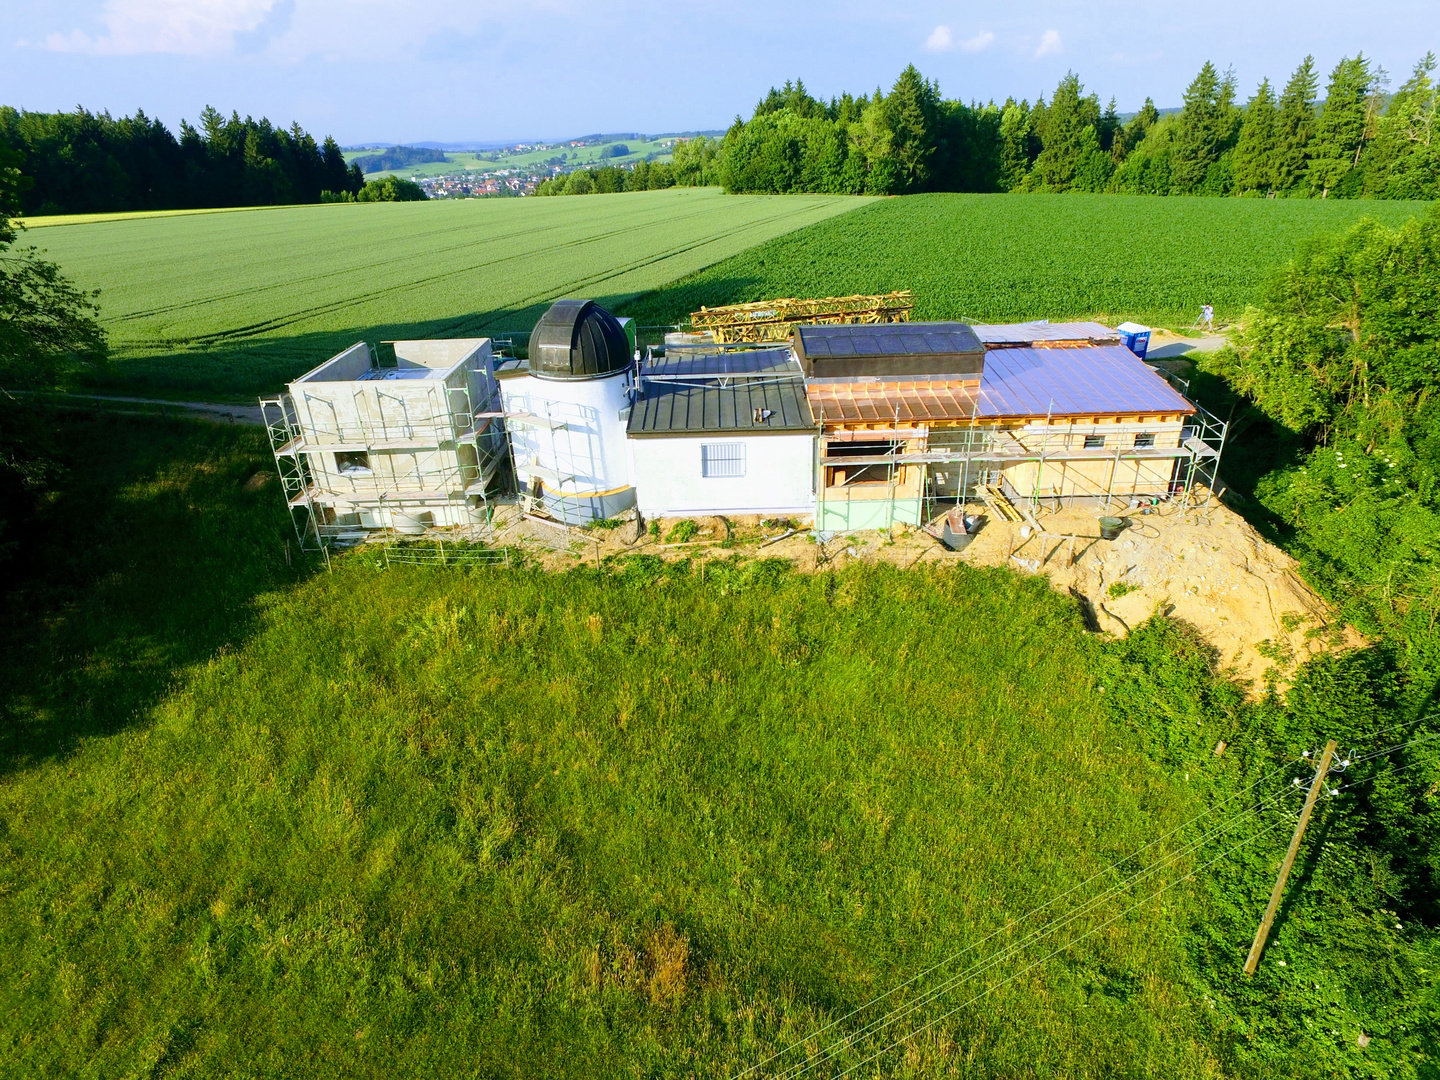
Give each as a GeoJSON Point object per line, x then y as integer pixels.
{"type": "Point", "coordinates": [210, 410]}
{"type": "Point", "coordinates": [1167, 346]}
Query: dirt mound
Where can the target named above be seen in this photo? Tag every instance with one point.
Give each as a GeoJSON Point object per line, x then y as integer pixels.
{"type": "Point", "coordinates": [1208, 567]}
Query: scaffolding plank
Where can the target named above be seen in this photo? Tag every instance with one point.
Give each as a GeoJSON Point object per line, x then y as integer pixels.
{"type": "Point", "coordinates": [525, 419]}
{"type": "Point", "coordinates": [542, 473]}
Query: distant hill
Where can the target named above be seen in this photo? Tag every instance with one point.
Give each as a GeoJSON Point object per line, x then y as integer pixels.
{"type": "Point", "coordinates": [398, 157]}
{"type": "Point", "coordinates": [474, 147]}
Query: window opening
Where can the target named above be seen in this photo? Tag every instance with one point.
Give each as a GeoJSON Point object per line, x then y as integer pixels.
{"type": "Point", "coordinates": [721, 460]}
{"type": "Point", "coordinates": [1094, 442]}
{"type": "Point", "coordinates": [1145, 438]}
{"type": "Point", "coordinates": [861, 474]}
{"type": "Point", "coordinates": [353, 463]}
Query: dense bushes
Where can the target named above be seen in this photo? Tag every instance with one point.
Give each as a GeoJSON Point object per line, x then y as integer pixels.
{"type": "Point", "coordinates": [385, 189]}
{"type": "Point", "coordinates": [644, 176]}
{"type": "Point", "coordinates": [1342, 354]}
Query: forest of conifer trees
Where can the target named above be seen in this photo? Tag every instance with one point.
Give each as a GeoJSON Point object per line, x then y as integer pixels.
{"type": "Point", "coordinates": [82, 162]}
{"type": "Point", "coordinates": [1361, 140]}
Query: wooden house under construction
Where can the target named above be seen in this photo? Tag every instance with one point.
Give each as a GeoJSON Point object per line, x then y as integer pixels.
{"type": "Point", "coordinates": [928, 413]}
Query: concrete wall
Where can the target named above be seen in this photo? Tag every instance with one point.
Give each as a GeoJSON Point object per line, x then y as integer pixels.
{"type": "Point", "coordinates": [336, 406]}
{"type": "Point", "coordinates": [350, 364]}
{"type": "Point", "coordinates": [779, 476]}
{"type": "Point", "coordinates": [1068, 479]}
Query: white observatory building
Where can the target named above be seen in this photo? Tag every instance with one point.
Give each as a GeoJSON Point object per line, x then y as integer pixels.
{"type": "Point", "coordinates": [566, 410]}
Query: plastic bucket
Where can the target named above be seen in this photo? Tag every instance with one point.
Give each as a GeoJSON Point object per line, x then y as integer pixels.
{"type": "Point", "coordinates": [1111, 527]}
{"type": "Point", "coordinates": [411, 524]}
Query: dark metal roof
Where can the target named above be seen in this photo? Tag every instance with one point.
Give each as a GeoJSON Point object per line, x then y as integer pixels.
{"type": "Point", "coordinates": [1098, 380]}
{"type": "Point", "coordinates": [746, 363]}
{"type": "Point", "coordinates": [578, 339]}
{"type": "Point", "coordinates": [893, 349]}
{"type": "Point", "coordinates": [747, 406]}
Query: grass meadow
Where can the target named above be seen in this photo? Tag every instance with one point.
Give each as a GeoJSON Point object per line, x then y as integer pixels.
{"type": "Point", "coordinates": [1002, 258]}
{"type": "Point", "coordinates": [229, 305]}
{"type": "Point", "coordinates": [258, 819]}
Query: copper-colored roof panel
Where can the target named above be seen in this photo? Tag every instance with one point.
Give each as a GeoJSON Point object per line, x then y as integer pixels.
{"type": "Point", "coordinates": [885, 403]}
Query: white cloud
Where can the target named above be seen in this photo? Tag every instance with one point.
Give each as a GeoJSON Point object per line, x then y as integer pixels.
{"type": "Point", "coordinates": [188, 27]}
{"type": "Point", "coordinates": [1050, 44]}
{"type": "Point", "coordinates": [941, 39]}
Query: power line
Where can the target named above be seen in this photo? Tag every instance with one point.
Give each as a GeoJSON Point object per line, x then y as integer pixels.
{"type": "Point", "coordinates": [1391, 749]}
{"type": "Point", "coordinates": [1014, 922]}
{"type": "Point", "coordinates": [1397, 727]}
{"type": "Point", "coordinates": [1392, 771]}
{"type": "Point", "coordinates": [999, 956]}
{"type": "Point", "coordinates": [1056, 952]}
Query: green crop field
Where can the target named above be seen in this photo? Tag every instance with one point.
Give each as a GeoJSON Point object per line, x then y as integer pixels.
{"type": "Point", "coordinates": [237, 303]}
{"type": "Point", "coordinates": [998, 258]}
{"type": "Point", "coordinates": [233, 304]}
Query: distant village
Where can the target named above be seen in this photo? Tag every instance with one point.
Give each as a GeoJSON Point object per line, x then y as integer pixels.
{"type": "Point", "coordinates": [521, 178]}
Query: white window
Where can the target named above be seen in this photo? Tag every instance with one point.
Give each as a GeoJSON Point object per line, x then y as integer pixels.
{"type": "Point", "coordinates": [1145, 438]}
{"type": "Point", "coordinates": [722, 459]}
{"type": "Point", "coordinates": [1094, 442]}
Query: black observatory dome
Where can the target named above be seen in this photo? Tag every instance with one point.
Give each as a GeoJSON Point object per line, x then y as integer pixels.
{"type": "Point", "coordinates": [578, 339]}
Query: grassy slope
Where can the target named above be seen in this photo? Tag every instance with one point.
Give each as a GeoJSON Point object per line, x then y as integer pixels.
{"type": "Point", "coordinates": [235, 304]}
{"type": "Point", "coordinates": [503, 823]}
{"type": "Point", "coordinates": [1008, 257]}
{"type": "Point", "coordinates": [260, 820]}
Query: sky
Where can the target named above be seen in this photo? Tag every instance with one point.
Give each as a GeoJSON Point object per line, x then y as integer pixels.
{"type": "Point", "coordinates": [389, 71]}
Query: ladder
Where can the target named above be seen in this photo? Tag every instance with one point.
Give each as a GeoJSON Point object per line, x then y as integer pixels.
{"type": "Point", "coordinates": [999, 504]}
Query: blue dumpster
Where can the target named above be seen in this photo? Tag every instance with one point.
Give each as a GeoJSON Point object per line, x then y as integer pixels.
{"type": "Point", "coordinates": [1135, 337]}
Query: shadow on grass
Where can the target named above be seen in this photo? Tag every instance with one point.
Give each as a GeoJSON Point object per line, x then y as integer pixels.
{"type": "Point", "coordinates": [146, 556]}
{"type": "Point", "coordinates": [1255, 447]}
{"type": "Point", "coordinates": [240, 369]}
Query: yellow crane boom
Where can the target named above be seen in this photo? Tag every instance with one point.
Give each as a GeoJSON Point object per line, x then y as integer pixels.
{"type": "Point", "coordinates": [772, 320]}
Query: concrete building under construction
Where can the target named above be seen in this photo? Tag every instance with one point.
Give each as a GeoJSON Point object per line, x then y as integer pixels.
{"type": "Point", "coordinates": [851, 425]}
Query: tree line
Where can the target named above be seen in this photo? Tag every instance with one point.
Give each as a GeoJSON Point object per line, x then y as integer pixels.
{"type": "Point", "coordinates": [692, 164]}
{"type": "Point", "coordinates": [82, 162]}
{"type": "Point", "coordinates": [1362, 141]}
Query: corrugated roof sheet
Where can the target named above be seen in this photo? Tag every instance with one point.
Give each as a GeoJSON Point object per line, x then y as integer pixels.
{"type": "Point", "coordinates": [887, 339]}
{"type": "Point", "coordinates": [731, 364]}
{"type": "Point", "coordinates": [676, 408]}
{"type": "Point", "coordinates": [1043, 330]}
{"type": "Point", "coordinates": [1095, 380]}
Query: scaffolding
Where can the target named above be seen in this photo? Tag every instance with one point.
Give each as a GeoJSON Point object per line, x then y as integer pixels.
{"type": "Point", "coordinates": [427, 457]}
{"type": "Point", "coordinates": [1017, 472]}
{"type": "Point", "coordinates": [773, 320]}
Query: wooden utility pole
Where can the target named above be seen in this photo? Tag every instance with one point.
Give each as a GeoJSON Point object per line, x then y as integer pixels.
{"type": "Point", "coordinates": [1253, 960]}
